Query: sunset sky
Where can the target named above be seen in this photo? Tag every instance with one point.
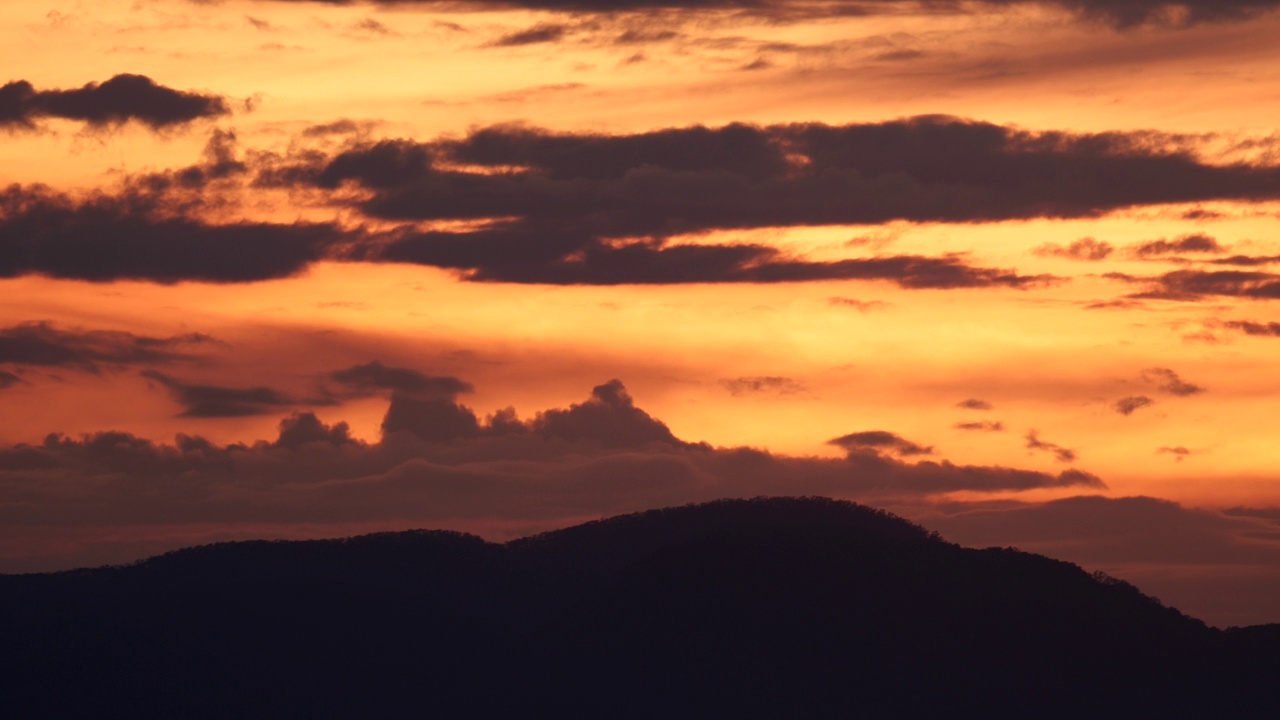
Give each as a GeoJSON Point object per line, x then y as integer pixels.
{"type": "Point", "coordinates": [286, 269]}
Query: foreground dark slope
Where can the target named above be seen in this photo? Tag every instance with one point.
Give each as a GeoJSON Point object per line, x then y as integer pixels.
{"type": "Point", "coordinates": [766, 608]}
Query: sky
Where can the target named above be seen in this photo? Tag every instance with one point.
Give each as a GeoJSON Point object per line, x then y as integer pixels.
{"type": "Point", "coordinates": [285, 269]}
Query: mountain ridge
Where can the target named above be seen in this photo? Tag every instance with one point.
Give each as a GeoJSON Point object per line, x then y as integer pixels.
{"type": "Point", "coordinates": [736, 607]}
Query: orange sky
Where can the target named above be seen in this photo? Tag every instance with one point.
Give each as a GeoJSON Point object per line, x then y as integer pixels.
{"type": "Point", "coordinates": [1120, 317]}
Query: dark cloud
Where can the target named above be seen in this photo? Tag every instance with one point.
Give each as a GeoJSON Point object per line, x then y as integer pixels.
{"type": "Point", "coordinates": [1246, 260]}
{"type": "Point", "coordinates": [538, 34]}
{"type": "Point", "coordinates": [42, 344]}
{"type": "Point", "coordinates": [8, 379]}
{"type": "Point", "coordinates": [980, 426]}
{"type": "Point", "coordinates": [114, 102]}
{"type": "Point", "coordinates": [1178, 452]}
{"type": "Point", "coordinates": [135, 235]}
{"type": "Point", "coordinates": [1248, 327]}
{"type": "Point", "coordinates": [609, 417]}
{"type": "Point", "coordinates": [1130, 405]}
{"type": "Point", "coordinates": [436, 464]}
{"type": "Point", "coordinates": [1119, 14]}
{"type": "Point", "coordinates": [1168, 381]}
{"type": "Point", "coordinates": [1197, 243]}
{"type": "Point", "coordinates": [604, 209]}
{"type": "Point", "coordinates": [1082, 249]}
{"type": "Point", "coordinates": [762, 384]}
{"type": "Point", "coordinates": [373, 377]}
{"type": "Point", "coordinates": [1195, 285]}
{"type": "Point", "coordinates": [214, 401]}
{"type": "Point", "coordinates": [432, 419]}
{"type": "Point", "coordinates": [1060, 453]}
{"type": "Point", "coordinates": [300, 429]}
{"type": "Point", "coordinates": [878, 441]}
{"type": "Point", "coordinates": [975, 404]}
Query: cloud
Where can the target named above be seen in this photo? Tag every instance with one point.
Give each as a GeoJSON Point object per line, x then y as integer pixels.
{"type": "Point", "coordinates": [373, 377]}
{"type": "Point", "coordinates": [1194, 285]}
{"type": "Point", "coordinates": [1249, 327]}
{"type": "Point", "coordinates": [8, 379]}
{"type": "Point", "coordinates": [1177, 452]}
{"type": "Point", "coordinates": [1168, 381]}
{"type": "Point", "coordinates": [1196, 243]}
{"type": "Point", "coordinates": [877, 441]}
{"type": "Point", "coordinates": [762, 384]}
{"type": "Point", "coordinates": [1060, 453]}
{"type": "Point", "coordinates": [42, 344]}
{"type": "Point", "coordinates": [975, 404]}
{"type": "Point", "coordinates": [1129, 405]}
{"type": "Point", "coordinates": [591, 208]}
{"type": "Point", "coordinates": [980, 426]}
{"type": "Point", "coordinates": [859, 305]}
{"type": "Point", "coordinates": [1246, 260]}
{"type": "Point", "coordinates": [436, 464]}
{"type": "Point", "coordinates": [300, 429]}
{"type": "Point", "coordinates": [114, 102]}
{"type": "Point", "coordinates": [214, 401]}
{"type": "Point", "coordinates": [1082, 249]}
{"type": "Point", "coordinates": [1121, 15]}
{"type": "Point", "coordinates": [538, 34]}
{"type": "Point", "coordinates": [134, 235]}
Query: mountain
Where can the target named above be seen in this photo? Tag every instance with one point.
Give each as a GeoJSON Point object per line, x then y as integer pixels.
{"type": "Point", "coordinates": [780, 607]}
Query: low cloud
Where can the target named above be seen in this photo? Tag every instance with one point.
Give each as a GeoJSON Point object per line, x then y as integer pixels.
{"type": "Point", "coordinates": [879, 441]}
{"type": "Point", "coordinates": [980, 426]}
{"type": "Point", "coordinates": [437, 464]}
{"type": "Point", "coordinates": [536, 35]}
{"type": "Point", "coordinates": [1061, 454]}
{"type": "Point", "coordinates": [214, 401]}
{"type": "Point", "coordinates": [1197, 243]}
{"type": "Point", "coordinates": [43, 344]}
{"type": "Point", "coordinates": [762, 385]}
{"type": "Point", "coordinates": [1168, 381]}
{"type": "Point", "coordinates": [1130, 405]}
{"type": "Point", "coordinates": [121, 99]}
{"type": "Point", "coordinates": [1082, 249]}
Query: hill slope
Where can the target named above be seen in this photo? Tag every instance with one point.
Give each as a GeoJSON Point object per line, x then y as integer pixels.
{"type": "Point", "coordinates": [763, 608]}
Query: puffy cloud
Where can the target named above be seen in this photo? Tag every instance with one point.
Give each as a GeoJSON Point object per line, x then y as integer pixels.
{"type": "Point", "coordinates": [1196, 243]}
{"type": "Point", "coordinates": [1082, 249]}
{"type": "Point", "coordinates": [975, 404]}
{"type": "Point", "coordinates": [114, 102]}
{"type": "Point", "coordinates": [1131, 404]}
{"type": "Point", "coordinates": [1168, 381]}
{"type": "Point", "coordinates": [436, 464]}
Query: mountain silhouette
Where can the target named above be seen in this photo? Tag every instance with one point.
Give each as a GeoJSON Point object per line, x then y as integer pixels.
{"type": "Point", "coordinates": [780, 607]}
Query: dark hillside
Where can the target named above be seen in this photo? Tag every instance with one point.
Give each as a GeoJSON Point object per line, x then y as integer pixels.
{"type": "Point", "coordinates": [763, 608]}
